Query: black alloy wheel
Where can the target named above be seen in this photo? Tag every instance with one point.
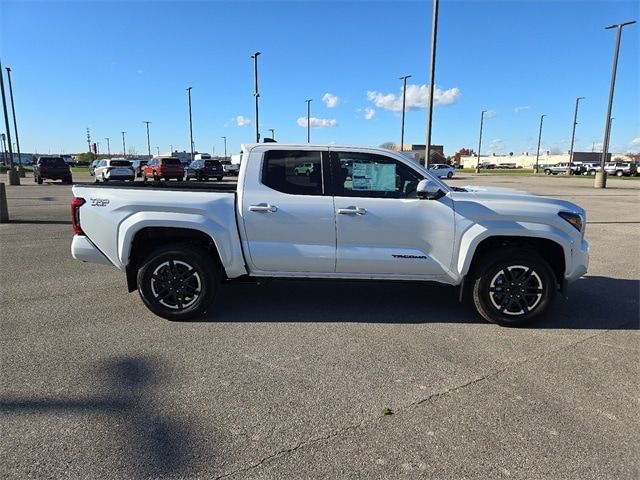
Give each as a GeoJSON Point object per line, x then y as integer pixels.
{"type": "Point", "coordinates": [513, 286]}
{"type": "Point", "coordinates": [178, 282]}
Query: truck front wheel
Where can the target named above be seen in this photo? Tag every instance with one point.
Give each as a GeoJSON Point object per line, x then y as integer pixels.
{"type": "Point", "coordinates": [178, 282]}
{"type": "Point", "coordinates": [513, 286]}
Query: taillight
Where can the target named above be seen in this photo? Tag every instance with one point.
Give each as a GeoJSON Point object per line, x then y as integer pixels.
{"type": "Point", "coordinates": [76, 203]}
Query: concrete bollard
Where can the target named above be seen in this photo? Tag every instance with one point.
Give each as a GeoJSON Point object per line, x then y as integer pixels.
{"type": "Point", "coordinates": [12, 175]}
{"type": "Point", "coordinates": [4, 210]}
{"type": "Point", "coordinates": [601, 180]}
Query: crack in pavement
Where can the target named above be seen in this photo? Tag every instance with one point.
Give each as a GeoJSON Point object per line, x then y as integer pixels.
{"type": "Point", "coordinates": [430, 399]}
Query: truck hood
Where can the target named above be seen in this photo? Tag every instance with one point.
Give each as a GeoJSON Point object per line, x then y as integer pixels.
{"type": "Point", "coordinates": [480, 204]}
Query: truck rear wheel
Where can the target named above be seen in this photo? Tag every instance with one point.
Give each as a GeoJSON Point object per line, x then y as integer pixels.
{"type": "Point", "coordinates": [178, 282]}
{"type": "Point", "coordinates": [512, 287]}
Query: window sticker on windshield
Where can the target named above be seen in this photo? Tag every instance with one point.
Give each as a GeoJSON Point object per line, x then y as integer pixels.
{"type": "Point", "coordinates": [374, 176]}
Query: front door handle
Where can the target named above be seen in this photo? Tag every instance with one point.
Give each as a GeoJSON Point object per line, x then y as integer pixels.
{"type": "Point", "coordinates": [352, 211]}
{"type": "Point", "coordinates": [263, 207]}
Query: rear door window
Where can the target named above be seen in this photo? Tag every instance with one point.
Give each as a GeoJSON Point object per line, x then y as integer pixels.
{"type": "Point", "coordinates": [120, 163]}
{"type": "Point", "coordinates": [296, 172]}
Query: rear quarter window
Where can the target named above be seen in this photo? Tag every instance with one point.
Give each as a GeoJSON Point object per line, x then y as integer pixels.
{"type": "Point", "coordinates": [171, 161]}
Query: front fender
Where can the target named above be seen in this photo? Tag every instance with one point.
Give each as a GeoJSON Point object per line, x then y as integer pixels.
{"type": "Point", "coordinates": [474, 235]}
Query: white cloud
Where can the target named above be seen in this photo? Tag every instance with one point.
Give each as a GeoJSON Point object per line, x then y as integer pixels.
{"type": "Point", "coordinates": [318, 122]}
{"type": "Point", "coordinates": [521, 109]}
{"type": "Point", "coordinates": [241, 120]}
{"type": "Point", "coordinates": [330, 100]}
{"type": "Point", "coordinates": [369, 113]}
{"type": "Point", "coordinates": [635, 141]}
{"type": "Point", "coordinates": [417, 96]}
{"type": "Point", "coordinates": [490, 114]}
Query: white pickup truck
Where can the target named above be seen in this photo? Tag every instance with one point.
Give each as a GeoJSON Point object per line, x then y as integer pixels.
{"type": "Point", "coordinates": [359, 213]}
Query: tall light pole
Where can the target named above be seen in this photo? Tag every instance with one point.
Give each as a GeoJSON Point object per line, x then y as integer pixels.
{"type": "Point", "coordinates": [225, 147]}
{"type": "Point", "coordinates": [148, 142]}
{"type": "Point", "coordinates": [601, 176]}
{"type": "Point", "coordinates": [404, 94]}
{"type": "Point", "coordinates": [190, 123]}
{"type": "Point", "coordinates": [158, 150]}
{"type": "Point", "coordinates": [273, 133]}
{"type": "Point", "coordinates": [255, 93]}
{"type": "Point", "coordinates": [108, 147]}
{"type": "Point", "coordinates": [124, 148]}
{"type": "Point", "coordinates": [573, 135]}
{"type": "Point", "coordinates": [432, 77]}
{"type": "Point", "coordinates": [480, 140]}
{"type": "Point", "coordinates": [15, 122]}
{"type": "Point", "coordinates": [539, 139]}
{"type": "Point", "coordinates": [309, 100]}
{"type": "Point", "coordinates": [6, 122]}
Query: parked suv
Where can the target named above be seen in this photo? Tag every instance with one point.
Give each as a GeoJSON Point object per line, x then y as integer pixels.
{"type": "Point", "coordinates": [441, 170]}
{"type": "Point", "coordinates": [115, 169]}
{"type": "Point", "coordinates": [204, 169]}
{"type": "Point", "coordinates": [138, 166]}
{"type": "Point", "coordinates": [163, 168]}
{"type": "Point", "coordinates": [51, 168]}
{"type": "Point", "coordinates": [621, 168]}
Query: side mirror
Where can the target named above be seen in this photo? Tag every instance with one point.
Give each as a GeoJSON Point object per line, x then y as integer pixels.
{"type": "Point", "coordinates": [429, 190]}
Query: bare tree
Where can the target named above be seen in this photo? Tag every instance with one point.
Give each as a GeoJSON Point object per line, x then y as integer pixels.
{"type": "Point", "coordinates": [389, 146]}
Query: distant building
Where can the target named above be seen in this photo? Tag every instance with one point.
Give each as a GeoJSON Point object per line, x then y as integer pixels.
{"type": "Point", "coordinates": [528, 161]}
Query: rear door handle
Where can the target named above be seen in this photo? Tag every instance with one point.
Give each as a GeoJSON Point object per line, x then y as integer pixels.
{"type": "Point", "coordinates": [352, 211]}
{"type": "Point", "coordinates": [263, 207]}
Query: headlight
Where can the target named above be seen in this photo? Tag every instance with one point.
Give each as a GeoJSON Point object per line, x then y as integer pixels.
{"type": "Point", "coordinates": [573, 218]}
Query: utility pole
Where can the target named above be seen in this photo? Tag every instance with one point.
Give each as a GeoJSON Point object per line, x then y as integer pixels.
{"type": "Point", "coordinates": [273, 133]}
{"type": "Point", "coordinates": [15, 123]}
{"type": "Point", "coordinates": [480, 140]}
{"type": "Point", "coordinates": [190, 123]}
{"type": "Point", "coordinates": [225, 147]}
{"type": "Point", "coordinates": [124, 149]}
{"type": "Point", "coordinates": [432, 77]}
{"type": "Point", "coordinates": [539, 139]}
{"type": "Point", "coordinates": [601, 176]}
{"type": "Point", "coordinates": [573, 135]}
{"type": "Point", "coordinates": [89, 139]}
{"type": "Point", "coordinates": [256, 94]}
{"type": "Point", "coordinates": [404, 95]}
{"type": "Point", "coordinates": [309, 119]}
{"type": "Point", "coordinates": [108, 147]}
{"type": "Point", "coordinates": [148, 142]}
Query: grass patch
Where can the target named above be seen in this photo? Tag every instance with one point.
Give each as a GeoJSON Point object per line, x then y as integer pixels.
{"type": "Point", "coordinates": [386, 411]}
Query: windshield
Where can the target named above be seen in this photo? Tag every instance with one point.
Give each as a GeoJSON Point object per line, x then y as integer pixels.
{"type": "Point", "coordinates": [52, 162]}
{"type": "Point", "coordinates": [171, 161]}
{"type": "Point", "coordinates": [120, 163]}
{"type": "Point", "coordinates": [212, 163]}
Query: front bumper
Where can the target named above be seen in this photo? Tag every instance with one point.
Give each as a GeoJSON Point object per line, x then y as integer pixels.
{"type": "Point", "coordinates": [579, 262]}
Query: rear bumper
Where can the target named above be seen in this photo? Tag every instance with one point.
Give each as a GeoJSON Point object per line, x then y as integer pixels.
{"type": "Point", "coordinates": [82, 249]}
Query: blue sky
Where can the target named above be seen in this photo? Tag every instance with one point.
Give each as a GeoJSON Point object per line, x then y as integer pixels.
{"type": "Point", "coordinates": [111, 65]}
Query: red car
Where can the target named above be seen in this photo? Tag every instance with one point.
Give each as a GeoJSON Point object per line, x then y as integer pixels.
{"type": "Point", "coordinates": [163, 168]}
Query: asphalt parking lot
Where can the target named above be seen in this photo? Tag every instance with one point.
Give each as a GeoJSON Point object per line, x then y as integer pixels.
{"type": "Point", "coordinates": [288, 380]}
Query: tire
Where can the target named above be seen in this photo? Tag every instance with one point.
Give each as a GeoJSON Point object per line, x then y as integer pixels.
{"type": "Point", "coordinates": [104, 179]}
{"type": "Point", "coordinates": [547, 172]}
{"type": "Point", "coordinates": [219, 179]}
{"type": "Point", "coordinates": [145, 179]}
{"type": "Point", "coordinates": [155, 177]}
{"type": "Point", "coordinates": [450, 175]}
{"type": "Point", "coordinates": [592, 172]}
{"type": "Point", "coordinates": [619, 173]}
{"type": "Point", "coordinates": [69, 180]}
{"type": "Point", "coordinates": [183, 300]}
{"type": "Point", "coordinates": [179, 179]}
{"type": "Point", "coordinates": [501, 298]}
{"type": "Point", "coordinates": [39, 180]}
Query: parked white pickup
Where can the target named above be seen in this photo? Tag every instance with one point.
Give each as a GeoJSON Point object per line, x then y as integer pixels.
{"type": "Point", "coordinates": [359, 213]}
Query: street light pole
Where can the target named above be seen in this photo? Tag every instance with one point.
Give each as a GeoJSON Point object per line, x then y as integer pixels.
{"type": "Point", "coordinates": [256, 94]}
{"type": "Point", "coordinates": [148, 142]}
{"type": "Point", "coordinates": [432, 76]}
{"type": "Point", "coordinates": [309, 119]}
{"type": "Point", "coordinates": [124, 149]}
{"type": "Point", "coordinates": [273, 133]}
{"type": "Point", "coordinates": [573, 135]}
{"type": "Point", "coordinates": [404, 94]}
{"type": "Point", "coordinates": [480, 140]}
{"type": "Point", "coordinates": [225, 147]}
{"type": "Point", "coordinates": [108, 147]}
{"type": "Point", "coordinates": [539, 138]}
{"type": "Point", "coordinates": [190, 123]}
{"type": "Point", "coordinates": [6, 122]}
{"type": "Point", "coordinates": [15, 122]}
{"type": "Point", "coordinates": [601, 176]}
